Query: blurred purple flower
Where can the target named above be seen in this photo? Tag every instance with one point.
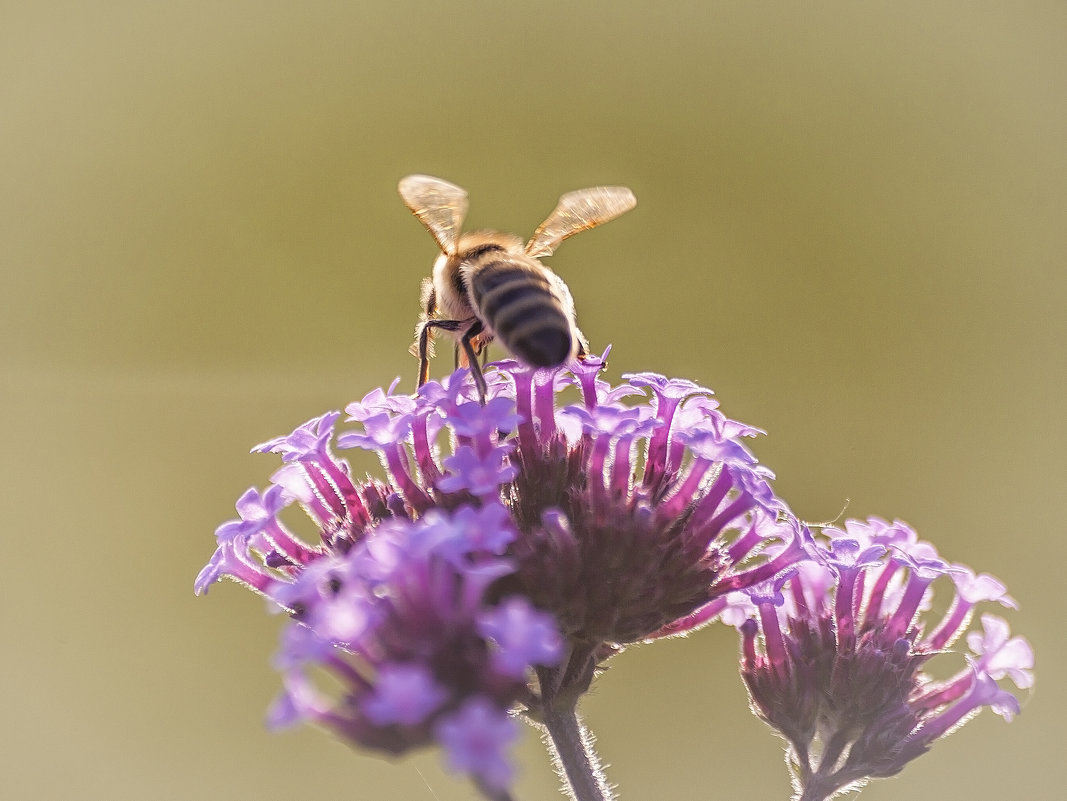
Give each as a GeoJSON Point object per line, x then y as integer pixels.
{"type": "Point", "coordinates": [524, 636]}
{"type": "Point", "coordinates": [476, 741]}
{"type": "Point", "coordinates": [404, 694]}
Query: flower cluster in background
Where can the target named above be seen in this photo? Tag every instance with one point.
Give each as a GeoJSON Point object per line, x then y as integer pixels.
{"type": "Point", "coordinates": [512, 546]}
{"type": "Point", "coordinates": [835, 653]}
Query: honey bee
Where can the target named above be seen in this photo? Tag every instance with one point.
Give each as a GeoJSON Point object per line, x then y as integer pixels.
{"type": "Point", "coordinates": [487, 285]}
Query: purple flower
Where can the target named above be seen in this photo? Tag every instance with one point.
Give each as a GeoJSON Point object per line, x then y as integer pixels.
{"type": "Point", "coordinates": [479, 474]}
{"type": "Point", "coordinates": [524, 637]}
{"type": "Point", "coordinates": [476, 740]}
{"type": "Point", "coordinates": [404, 694]}
{"type": "Point", "coordinates": [834, 654]}
{"type": "Point", "coordinates": [626, 532]}
{"type": "Point", "coordinates": [521, 537]}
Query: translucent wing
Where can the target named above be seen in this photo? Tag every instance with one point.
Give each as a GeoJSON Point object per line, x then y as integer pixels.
{"type": "Point", "coordinates": [439, 205]}
{"type": "Point", "coordinates": [579, 211]}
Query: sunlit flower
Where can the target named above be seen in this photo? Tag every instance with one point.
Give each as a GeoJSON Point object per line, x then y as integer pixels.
{"type": "Point", "coordinates": [836, 655]}
{"type": "Point", "coordinates": [545, 529]}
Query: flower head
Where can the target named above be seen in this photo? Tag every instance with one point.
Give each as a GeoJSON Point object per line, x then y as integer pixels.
{"type": "Point", "coordinates": [836, 651]}
{"type": "Point", "coordinates": [524, 533]}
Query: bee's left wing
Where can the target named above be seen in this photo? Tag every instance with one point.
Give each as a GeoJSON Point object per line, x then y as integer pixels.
{"type": "Point", "coordinates": [439, 205]}
{"type": "Point", "coordinates": [579, 211]}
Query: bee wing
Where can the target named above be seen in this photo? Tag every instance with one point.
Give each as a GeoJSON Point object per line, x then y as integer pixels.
{"type": "Point", "coordinates": [579, 211]}
{"type": "Point", "coordinates": [439, 205]}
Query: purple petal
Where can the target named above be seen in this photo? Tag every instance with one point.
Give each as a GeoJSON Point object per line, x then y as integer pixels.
{"type": "Point", "coordinates": [403, 693]}
{"type": "Point", "coordinates": [525, 636]}
{"type": "Point", "coordinates": [476, 741]}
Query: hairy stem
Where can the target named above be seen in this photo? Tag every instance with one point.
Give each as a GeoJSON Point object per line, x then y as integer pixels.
{"type": "Point", "coordinates": [571, 746]}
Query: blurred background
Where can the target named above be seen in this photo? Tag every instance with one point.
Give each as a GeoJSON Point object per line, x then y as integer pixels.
{"type": "Point", "coordinates": [851, 224]}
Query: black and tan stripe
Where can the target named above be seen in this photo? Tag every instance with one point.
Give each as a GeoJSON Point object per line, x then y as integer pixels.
{"type": "Point", "coordinates": [522, 310]}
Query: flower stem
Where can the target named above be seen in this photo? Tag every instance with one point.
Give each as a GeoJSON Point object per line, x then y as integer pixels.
{"type": "Point", "coordinates": [571, 746]}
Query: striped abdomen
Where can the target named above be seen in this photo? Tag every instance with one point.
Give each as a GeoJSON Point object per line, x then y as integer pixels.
{"type": "Point", "coordinates": [516, 299]}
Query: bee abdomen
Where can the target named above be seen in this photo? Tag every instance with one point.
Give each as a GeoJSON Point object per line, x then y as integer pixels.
{"type": "Point", "coordinates": [523, 312]}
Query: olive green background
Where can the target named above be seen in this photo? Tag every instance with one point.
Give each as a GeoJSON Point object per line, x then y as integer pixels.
{"type": "Point", "coordinates": [852, 223]}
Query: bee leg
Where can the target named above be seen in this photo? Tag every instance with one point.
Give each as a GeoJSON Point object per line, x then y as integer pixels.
{"type": "Point", "coordinates": [472, 359]}
{"type": "Point", "coordinates": [429, 308]}
{"type": "Point", "coordinates": [483, 352]}
{"type": "Point", "coordinates": [424, 353]}
{"type": "Point", "coordinates": [455, 363]}
{"type": "Point", "coordinates": [424, 344]}
{"type": "Point", "coordinates": [583, 346]}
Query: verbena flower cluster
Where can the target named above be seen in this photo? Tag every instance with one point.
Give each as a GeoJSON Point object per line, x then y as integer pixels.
{"type": "Point", "coordinates": [836, 653]}
{"type": "Point", "coordinates": [512, 546]}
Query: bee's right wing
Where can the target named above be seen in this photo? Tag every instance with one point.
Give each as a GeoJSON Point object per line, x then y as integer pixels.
{"type": "Point", "coordinates": [579, 211]}
{"type": "Point", "coordinates": [439, 205]}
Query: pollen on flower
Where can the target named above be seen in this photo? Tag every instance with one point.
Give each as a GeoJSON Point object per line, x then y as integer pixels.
{"type": "Point", "coordinates": [524, 534]}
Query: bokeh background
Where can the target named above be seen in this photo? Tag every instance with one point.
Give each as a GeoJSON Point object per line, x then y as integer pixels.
{"type": "Point", "coordinates": [851, 224]}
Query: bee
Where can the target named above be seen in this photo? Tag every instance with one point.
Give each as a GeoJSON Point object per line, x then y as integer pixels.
{"type": "Point", "coordinates": [487, 285]}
